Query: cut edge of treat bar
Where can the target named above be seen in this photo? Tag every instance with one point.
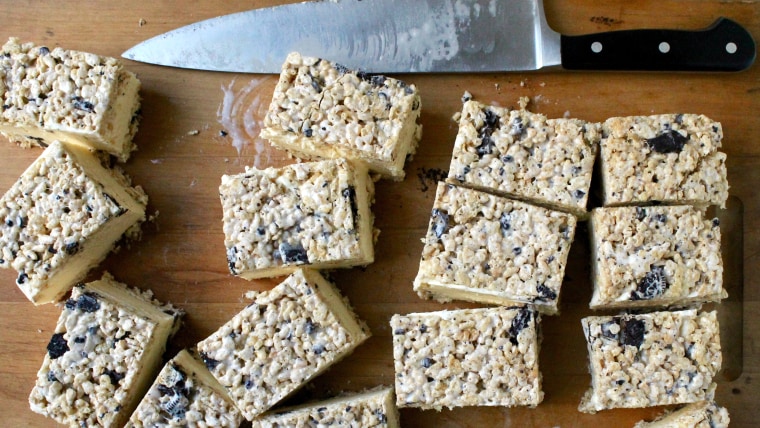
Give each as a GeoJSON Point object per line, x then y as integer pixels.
{"type": "Point", "coordinates": [342, 308]}
{"type": "Point", "coordinates": [690, 415]}
{"type": "Point", "coordinates": [446, 293]}
{"type": "Point", "coordinates": [387, 413]}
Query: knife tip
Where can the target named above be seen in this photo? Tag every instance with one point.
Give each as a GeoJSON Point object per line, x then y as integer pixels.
{"type": "Point", "coordinates": [128, 54]}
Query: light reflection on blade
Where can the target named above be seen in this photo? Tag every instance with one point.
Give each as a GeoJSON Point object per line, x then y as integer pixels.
{"type": "Point", "coordinates": [371, 35]}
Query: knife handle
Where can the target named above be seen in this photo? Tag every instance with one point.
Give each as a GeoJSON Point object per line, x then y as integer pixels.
{"type": "Point", "coordinates": [724, 46]}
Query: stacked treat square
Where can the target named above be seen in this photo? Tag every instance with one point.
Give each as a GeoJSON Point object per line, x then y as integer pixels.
{"type": "Point", "coordinates": [499, 234]}
{"type": "Point", "coordinates": [656, 257]}
{"type": "Point", "coordinates": [71, 207]}
{"type": "Point", "coordinates": [299, 220]}
{"type": "Point", "coordinates": [64, 215]}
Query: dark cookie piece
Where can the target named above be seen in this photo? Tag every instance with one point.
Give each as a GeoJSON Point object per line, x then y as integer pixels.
{"type": "Point", "coordinates": [439, 222]}
{"type": "Point", "coordinates": [654, 284]}
{"type": "Point", "coordinates": [545, 293]}
{"type": "Point", "coordinates": [350, 193]}
{"type": "Point", "coordinates": [114, 376]}
{"type": "Point", "coordinates": [209, 362]}
{"type": "Point", "coordinates": [516, 127]}
{"type": "Point", "coordinates": [71, 248]}
{"type": "Point", "coordinates": [80, 103]}
{"type": "Point", "coordinates": [293, 253]}
{"type": "Point", "coordinates": [505, 222]}
{"type": "Point", "coordinates": [177, 397]}
{"type": "Point", "coordinates": [519, 322]}
{"type": "Point", "coordinates": [632, 332]}
{"type": "Point", "coordinates": [232, 258]}
{"type": "Point", "coordinates": [310, 327]}
{"type": "Point", "coordinates": [87, 302]}
{"type": "Point", "coordinates": [607, 330]}
{"type": "Point", "coordinates": [641, 213]}
{"type": "Point", "coordinates": [669, 141]}
{"type": "Point", "coordinates": [57, 346]}
{"type": "Point", "coordinates": [318, 349]}
{"type": "Point", "coordinates": [486, 131]}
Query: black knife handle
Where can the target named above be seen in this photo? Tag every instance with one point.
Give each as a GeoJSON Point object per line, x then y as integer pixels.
{"type": "Point", "coordinates": [724, 46]}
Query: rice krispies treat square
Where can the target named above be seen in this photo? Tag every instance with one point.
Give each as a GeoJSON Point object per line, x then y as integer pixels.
{"type": "Point", "coordinates": [489, 249]}
{"type": "Point", "coordinates": [282, 340]}
{"type": "Point", "coordinates": [185, 394]}
{"type": "Point", "coordinates": [654, 256]}
{"type": "Point", "coordinates": [524, 155]}
{"type": "Point", "coordinates": [370, 409]}
{"type": "Point", "coordinates": [58, 94]}
{"type": "Point", "coordinates": [704, 414]}
{"type": "Point", "coordinates": [654, 359]}
{"type": "Point", "coordinates": [669, 158]}
{"type": "Point", "coordinates": [312, 213]}
{"type": "Point", "coordinates": [62, 217]}
{"type": "Point", "coordinates": [324, 110]}
{"type": "Point", "coordinates": [467, 357]}
{"type": "Point", "coordinates": [106, 348]}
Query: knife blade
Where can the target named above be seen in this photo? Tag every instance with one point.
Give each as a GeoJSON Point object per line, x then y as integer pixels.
{"type": "Point", "coordinates": [401, 36]}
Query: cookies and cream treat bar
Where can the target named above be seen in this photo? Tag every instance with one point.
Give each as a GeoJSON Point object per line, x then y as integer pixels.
{"type": "Point", "coordinates": [315, 213]}
{"type": "Point", "coordinates": [703, 414]}
{"type": "Point", "coordinates": [283, 339]}
{"type": "Point", "coordinates": [467, 357]}
{"type": "Point", "coordinates": [485, 248]}
{"type": "Point", "coordinates": [62, 217]}
{"type": "Point", "coordinates": [324, 110]}
{"type": "Point", "coordinates": [185, 394]}
{"type": "Point", "coordinates": [654, 359]}
{"type": "Point", "coordinates": [371, 409]}
{"type": "Point", "coordinates": [669, 158]}
{"type": "Point", "coordinates": [57, 94]}
{"type": "Point", "coordinates": [524, 155]}
{"type": "Point", "coordinates": [105, 351]}
{"type": "Point", "coordinates": [654, 256]}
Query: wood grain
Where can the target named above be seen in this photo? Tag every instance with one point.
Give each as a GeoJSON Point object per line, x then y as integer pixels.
{"type": "Point", "coordinates": [181, 256]}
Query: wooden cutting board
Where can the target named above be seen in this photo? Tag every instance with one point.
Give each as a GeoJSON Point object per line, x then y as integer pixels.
{"type": "Point", "coordinates": [197, 126]}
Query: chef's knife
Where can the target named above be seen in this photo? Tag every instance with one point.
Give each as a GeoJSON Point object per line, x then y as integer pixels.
{"type": "Point", "coordinates": [402, 36]}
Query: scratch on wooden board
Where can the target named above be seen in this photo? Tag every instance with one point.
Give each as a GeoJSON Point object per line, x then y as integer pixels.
{"type": "Point", "coordinates": [605, 20]}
